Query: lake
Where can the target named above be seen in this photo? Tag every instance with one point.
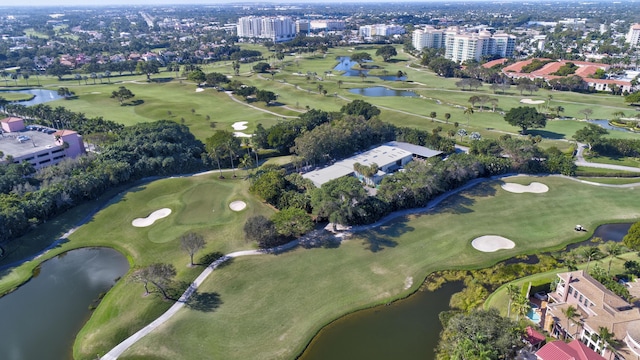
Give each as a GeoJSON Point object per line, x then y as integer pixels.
{"type": "Point", "coordinates": [41, 319]}
{"type": "Point", "coordinates": [42, 96]}
{"type": "Point", "coordinates": [377, 91]}
{"type": "Point", "coordinates": [346, 64]}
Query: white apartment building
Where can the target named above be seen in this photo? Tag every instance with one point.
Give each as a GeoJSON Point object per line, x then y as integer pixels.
{"type": "Point", "coordinates": [633, 36]}
{"type": "Point", "coordinates": [368, 31]}
{"type": "Point", "coordinates": [429, 37]}
{"type": "Point", "coordinates": [276, 29]}
{"type": "Point", "coordinates": [461, 46]}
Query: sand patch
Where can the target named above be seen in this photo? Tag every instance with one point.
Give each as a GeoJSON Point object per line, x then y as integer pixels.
{"type": "Point", "coordinates": [199, 89]}
{"type": "Point", "coordinates": [532, 102]}
{"type": "Point", "coordinates": [534, 187]}
{"type": "Point", "coordinates": [408, 282]}
{"type": "Point", "coordinates": [240, 125]}
{"type": "Point", "coordinates": [241, 134]}
{"type": "Point", "coordinates": [149, 220]}
{"type": "Point", "coordinates": [491, 243]}
{"type": "Point", "coordinates": [238, 205]}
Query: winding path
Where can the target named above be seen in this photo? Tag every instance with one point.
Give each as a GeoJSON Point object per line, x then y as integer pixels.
{"type": "Point", "coordinates": [580, 161]}
{"type": "Point", "coordinates": [123, 346]}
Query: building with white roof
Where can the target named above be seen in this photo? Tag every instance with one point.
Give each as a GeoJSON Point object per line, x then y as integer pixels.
{"type": "Point", "coordinates": [633, 36]}
{"type": "Point", "coordinates": [389, 158]}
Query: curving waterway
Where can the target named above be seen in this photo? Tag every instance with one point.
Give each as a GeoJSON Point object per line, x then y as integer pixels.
{"type": "Point", "coordinates": [41, 318]}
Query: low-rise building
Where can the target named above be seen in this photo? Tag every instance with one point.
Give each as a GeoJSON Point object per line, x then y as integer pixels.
{"type": "Point", "coordinates": [39, 145]}
{"type": "Point", "coordinates": [595, 308]}
{"type": "Point", "coordinates": [388, 157]}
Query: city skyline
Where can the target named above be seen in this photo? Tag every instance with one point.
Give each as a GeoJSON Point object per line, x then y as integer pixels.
{"type": "Point", "coordinates": [82, 3]}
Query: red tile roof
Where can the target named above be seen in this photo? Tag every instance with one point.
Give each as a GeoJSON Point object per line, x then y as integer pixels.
{"type": "Point", "coordinates": [11, 119]}
{"type": "Point", "coordinates": [533, 337]}
{"type": "Point", "coordinates": [493, 63]}
{"type": "Point", "coordinates": [559, 350]}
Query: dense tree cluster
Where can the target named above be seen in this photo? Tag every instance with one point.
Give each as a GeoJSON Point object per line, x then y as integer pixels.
{"type": "Point", "coordinates": [618, 147]}
{"type": "Point", "coordinates": [481, 334]}
{"type": "Point", "coordinates": [525, 117]}
{"type": "Point", "coordinates": [61, 118]}
{"type": "Point", "coordinates": [148, 149]}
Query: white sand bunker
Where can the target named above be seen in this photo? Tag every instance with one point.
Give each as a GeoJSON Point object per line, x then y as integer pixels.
{"type": "Point", "coordinates": [240, 134]}
{"type": "Point", "coordinates": [149, 220]}
{"type": "Point", "coordinates": [237, 205]}
{"type": "Point", "coordinates": [240, 125]}
{"type": "Point", "coordinates": [534, 187]}
{"type": "Point", "coordinates": [491, 243]}
{"type": "Point", "coordinates": [532, 102]}
{"type": "Point", "coordinates": [199, 89]}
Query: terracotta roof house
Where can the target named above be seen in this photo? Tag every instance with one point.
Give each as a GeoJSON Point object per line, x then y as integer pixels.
{"type": "Point", "coordinates": [596, 308]}
{"type": "Point", "coordinates": [584, 70]}
{"type": "Point", "coordinates": [559, 350]}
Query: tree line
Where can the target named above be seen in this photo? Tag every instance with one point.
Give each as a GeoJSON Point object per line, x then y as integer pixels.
{"type": "Point", "coordinates": [29, 197]}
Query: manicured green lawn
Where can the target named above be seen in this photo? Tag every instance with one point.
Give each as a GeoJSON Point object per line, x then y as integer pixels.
{"type": "Point", "coordinates": [613, 181]}
{"type": "Point", "coordinates": [12, 96]}
{"type": "Point", "coordinates": [270, 306]}
{"type": "Point", "coordinates": [625, 161]}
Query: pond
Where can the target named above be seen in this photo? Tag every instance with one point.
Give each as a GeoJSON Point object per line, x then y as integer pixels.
{"type": "Point", "coordinates": [407, 329]}
{"type": "Point", "coordinates": [41, 318]}
{"type": "Point", "coordinates": [377, 91]}
{"type": "Point", "coordinates": [605, 124]}
{"type": "Point", "coordinates": [346, 64]}
{"type": "Point", "coordinates": [42, 96]}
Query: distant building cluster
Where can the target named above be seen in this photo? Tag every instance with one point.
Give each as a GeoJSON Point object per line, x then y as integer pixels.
{"type": "Point", "coordinates": [461, 46]}
{"type": "Point", "coordinates": [276, 29]}
{"type": "Point", "coordinates": [633, 36]}
{"type": "Point", "coordinates": [369, 31]}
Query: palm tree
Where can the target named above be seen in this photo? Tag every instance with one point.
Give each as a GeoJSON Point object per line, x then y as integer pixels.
{"type": "Point", "coordinates": [468, 111]}
{"type": "Point", "coordinates": [608, 341]}
{"type": "Point", "coordinates": [612, 249]}
{"type": "Point", "coordinates": [433, 115]}
{"type": "Point", "coordinates": [512, 291]}
{"type": "Point", "coordinates": [590, 252]}
{"type": "Point", "coordinates": [549, 98]}
{"type": "Point", "coordinates": [571, 313]}
{"type": "Point", "coordinates": [339, 84]}
{"type": "Point", "coordinates": [559, 109]}
{"type": "Point", "coordinates": [521, 305]}
{"type": "Point", "coordinates": [447, 116]}
{"type": "Point", "coordinates": [107, 74]}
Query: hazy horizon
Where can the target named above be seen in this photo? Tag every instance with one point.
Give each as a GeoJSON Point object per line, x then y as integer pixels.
{"type": "Point", "coordinates": [83, 3]}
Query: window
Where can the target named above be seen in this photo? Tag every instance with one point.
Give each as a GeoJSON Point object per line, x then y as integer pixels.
{"type": "Point", "coordinates": [586, 302]}
{"type": "Point", "coordinates": [570, 290]}
{"type": "Point", "coordinates": [575, 294]}
{"type": "Point", "coordinates": [580, 300]}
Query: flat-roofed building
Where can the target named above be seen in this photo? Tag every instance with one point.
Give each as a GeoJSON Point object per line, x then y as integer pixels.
{"type": "Point", "coordinates": [388, 157]}
{"type": "Point", "coordinates": [277, 29]}
{"type": "Point", "coordinates": [39, 145]}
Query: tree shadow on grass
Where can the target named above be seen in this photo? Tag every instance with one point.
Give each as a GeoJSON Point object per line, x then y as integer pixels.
{"type": "Point", "coordinates": [546, 134]}
{"type": "Point", "coordinates": [161, 80]}
{"type": "Point", "coordinates": [134, 103]}
{"type": "Point", "coordinates": [205, 302]}
{"type": "Point", "coordinates": [459, 204]}
{"type": "Point", "coordinates": [382, 237]}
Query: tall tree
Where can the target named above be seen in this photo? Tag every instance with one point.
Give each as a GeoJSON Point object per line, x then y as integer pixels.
{"type": "Point", "coordinates": [571, 313]}
{"type": "Point", "coordinates": [590, 134]}
{"type": "Point", "coordinates": [217, 144]}
{"type": "Point", "coordinates": [122, 94]}
{"type": "Point", "coordinates": [386, 52]}
{"type": "Point", "coordinates": [632, 239]}
{"type": "Point", "coordinates": [468, 111]}
{"type": "Point", "coordinates": [525, 117]}
{"type": "Point", "coordinates": [191, 243]}
{"type": "Point", "coordinates": [159, 275]}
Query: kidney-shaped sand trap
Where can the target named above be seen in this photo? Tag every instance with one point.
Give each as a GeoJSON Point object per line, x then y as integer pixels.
{"type": "Point", "coordinates": [534, 187]}
{"type": "Point", "coordinates": [532, 102]}
{"type": "Point", "coordinates": [240, 125]}
{"type": "Point", "coordinates": [149, 220]}
{"type": "Point", "coordinates": [237, 205]}
{"type": "Point", "coordinates": [491, 243]}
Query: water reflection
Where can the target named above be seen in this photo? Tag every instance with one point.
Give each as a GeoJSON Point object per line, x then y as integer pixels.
{"type": "Point", "coordinates": [49, 310]}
